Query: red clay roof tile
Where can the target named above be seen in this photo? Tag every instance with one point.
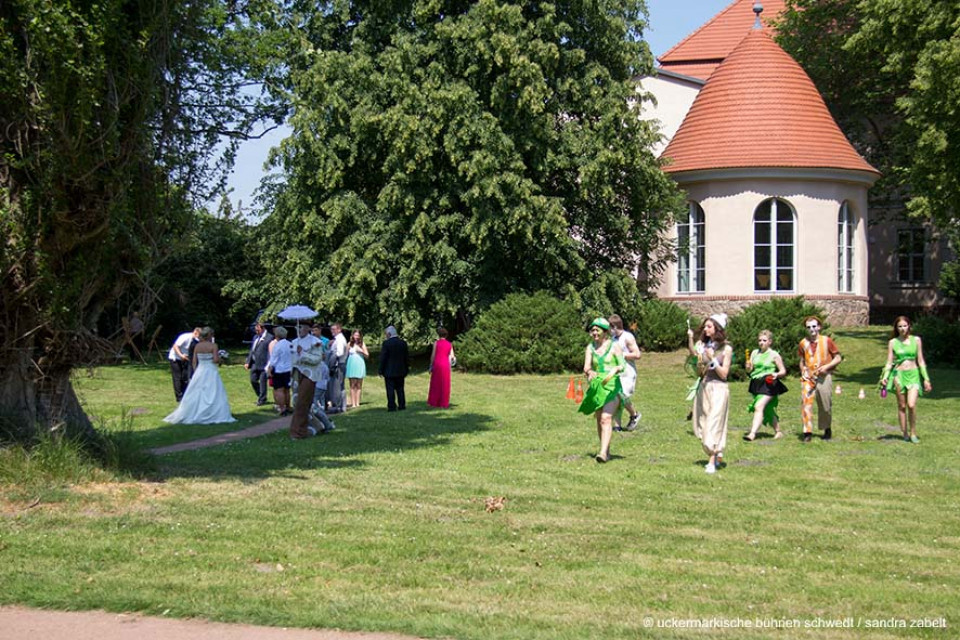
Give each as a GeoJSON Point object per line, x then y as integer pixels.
{"type": "Point", "coordinates": [760, 109]}
{"type": "Point", "coordinates": [699, 53]}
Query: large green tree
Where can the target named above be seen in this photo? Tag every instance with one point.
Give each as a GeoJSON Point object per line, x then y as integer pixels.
{"type": "Point", "coordinates": [110, 115]}
{"type": "Point", "coordinates": [445, 153]}
{"type": "Point", "coordinates": [890, 72]}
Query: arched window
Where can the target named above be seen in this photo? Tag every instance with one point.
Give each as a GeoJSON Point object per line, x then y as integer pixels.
{"type": "Point", "coordinates": [691, 258]}
{"type": "Point", "coordinates": [773, 246]}
{"type": "Point", "coordinates": [846, 225]}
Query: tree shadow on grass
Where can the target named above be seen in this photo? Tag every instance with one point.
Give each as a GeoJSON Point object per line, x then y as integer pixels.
{"type": "Point", "coordinates": [358, 433]}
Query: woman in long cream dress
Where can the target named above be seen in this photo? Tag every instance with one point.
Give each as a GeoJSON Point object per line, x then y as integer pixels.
{"type": "Point", "coordinates": [711, 405]}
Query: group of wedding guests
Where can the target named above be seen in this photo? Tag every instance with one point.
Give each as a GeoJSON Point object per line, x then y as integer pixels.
{"type": "Point", "coordinates": [317, 364]}
{"type": "Point", "coordinates": [306, 374]}
{"type": "Point", "coordinates": [609, 365]}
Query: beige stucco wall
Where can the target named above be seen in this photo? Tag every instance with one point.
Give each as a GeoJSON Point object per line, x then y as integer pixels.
{"type": "Point", "coordinates": [674, 97]}
{"type": "Point", "coordinates": [729, 206]}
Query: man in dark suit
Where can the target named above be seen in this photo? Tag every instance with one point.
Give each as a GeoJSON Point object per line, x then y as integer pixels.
{"type": "Point", "coordinates": [257, 362]}
{"type": "Point", "coordinates": [394, 366]}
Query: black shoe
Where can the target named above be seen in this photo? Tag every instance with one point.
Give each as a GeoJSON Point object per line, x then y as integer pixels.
{"type": "Point", "coordinates": [807, 437]}
{"type": "Point", "coordinates": [260, 403]}
{"type": "Point", "coordinates": [827, 434]}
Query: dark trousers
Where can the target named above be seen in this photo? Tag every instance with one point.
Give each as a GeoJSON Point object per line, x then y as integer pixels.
{"type": "Point", "coordinates": [180, 369]}
{"type": "Point", "coordinates": [335, 390]}
{"type": "Point", "coordinates": [258, 380]}
{"type": "Point", "coordinates": [396, 398]}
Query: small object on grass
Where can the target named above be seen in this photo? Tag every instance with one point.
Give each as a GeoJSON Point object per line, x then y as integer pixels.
{"type": "Point", "coordinates": [495, 503]}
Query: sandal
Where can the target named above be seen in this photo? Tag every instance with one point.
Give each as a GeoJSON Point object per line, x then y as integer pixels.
{"type": "Point", "coordinates": [750, 437]}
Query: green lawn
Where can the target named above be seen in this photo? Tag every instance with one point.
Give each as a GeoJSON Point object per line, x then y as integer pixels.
{"type": "Point", "coordinates": [381, 525]}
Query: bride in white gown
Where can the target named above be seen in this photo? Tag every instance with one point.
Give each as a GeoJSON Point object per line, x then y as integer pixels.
{"type": "Point", "coordinates": [205, 401]}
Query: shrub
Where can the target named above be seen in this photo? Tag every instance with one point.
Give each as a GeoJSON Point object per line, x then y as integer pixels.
{"type": "Point", "coordinates": [784, 318]}
{"type": "Point", "coordinates": [661, 325]}
{"type": "Point", "coordinates": [940, 338]}
{"type": "Point", "coordinates": [525, 334]}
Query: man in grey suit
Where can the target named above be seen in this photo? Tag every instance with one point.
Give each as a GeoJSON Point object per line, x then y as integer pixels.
{"type": "Point", "coordinates": [257, 362]}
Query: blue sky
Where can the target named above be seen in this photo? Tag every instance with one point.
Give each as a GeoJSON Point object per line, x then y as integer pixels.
{"type": "Point", "coordinates": [670, 22]}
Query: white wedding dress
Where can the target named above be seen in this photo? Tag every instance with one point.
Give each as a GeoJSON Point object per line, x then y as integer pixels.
{"type": "Point", "coordinates": [205, 401]}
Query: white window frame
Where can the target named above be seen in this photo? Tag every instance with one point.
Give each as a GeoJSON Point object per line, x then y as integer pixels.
{"type": "Point", "coordinates": [846, 249]}
{"type": "Point", "coordinates": [691, 270]}
{"type": "Point", "coordinates": [776, 206]}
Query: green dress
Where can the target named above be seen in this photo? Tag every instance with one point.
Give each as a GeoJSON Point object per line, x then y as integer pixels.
{"type": "Point", "coordinates": [904, 351]}
{"type": "Point", "coordinates": [765, 364]}
{"type": "Point", "coordinates": [600, 394]}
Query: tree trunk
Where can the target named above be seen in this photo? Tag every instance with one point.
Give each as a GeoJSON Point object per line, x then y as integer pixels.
{"type": "Point", "coordinates": [32, 401]}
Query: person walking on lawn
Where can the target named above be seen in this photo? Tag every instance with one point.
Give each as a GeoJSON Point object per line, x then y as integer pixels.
{"type": "Point", "coordinates": [819, 356]}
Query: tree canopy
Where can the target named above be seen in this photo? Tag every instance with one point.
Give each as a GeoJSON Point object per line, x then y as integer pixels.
{"type": "Point", "coordinates": [445, 153]}
{"type": "Point", "coordinates": [110, 113]}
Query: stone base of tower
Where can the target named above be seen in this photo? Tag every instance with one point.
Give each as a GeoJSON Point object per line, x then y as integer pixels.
{"type": "Point", "coordinates": [841, 311]}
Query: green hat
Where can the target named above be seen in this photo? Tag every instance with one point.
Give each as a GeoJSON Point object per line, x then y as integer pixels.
{"type": "Point", "coordinates": [599, 322]}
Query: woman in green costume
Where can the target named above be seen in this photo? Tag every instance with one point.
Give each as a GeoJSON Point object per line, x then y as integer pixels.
{"type": "Point", "coordinates": [765, 367]}
{"type": "Point", "coordinates": [602, 364]}
{"type": "Point", "coordinates": [906, 367]}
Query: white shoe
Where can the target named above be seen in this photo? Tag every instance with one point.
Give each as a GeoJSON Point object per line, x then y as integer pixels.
{"type": "Point", "coordinates": [711, 468]}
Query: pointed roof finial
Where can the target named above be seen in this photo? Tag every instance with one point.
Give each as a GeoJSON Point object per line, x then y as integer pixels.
{"type": "Point", "coordinates": [757, 9]}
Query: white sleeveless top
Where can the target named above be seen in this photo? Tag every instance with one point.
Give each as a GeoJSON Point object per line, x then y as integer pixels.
{"type": "Point", "coordinates": [622, 341]}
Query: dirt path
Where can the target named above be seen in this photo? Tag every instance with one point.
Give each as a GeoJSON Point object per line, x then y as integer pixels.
{"type": "Point", "coordinates": [21, 623]}
{"type": "Point", "coordinates": [231, 436]}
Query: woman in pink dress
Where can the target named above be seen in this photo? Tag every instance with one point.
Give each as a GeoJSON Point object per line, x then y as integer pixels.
{"type": "Point", "coordinates": [441, 360]}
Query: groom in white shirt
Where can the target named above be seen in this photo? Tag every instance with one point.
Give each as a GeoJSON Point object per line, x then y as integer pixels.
{"type": "Point", "coordinates": [179, 357]}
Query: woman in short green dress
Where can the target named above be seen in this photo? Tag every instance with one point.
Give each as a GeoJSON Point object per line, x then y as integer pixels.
{"type": "Point", "coordinates": [766, 369]}
{"type": "Point", "coordinates": [905, 368]}
{"type": "Point", "coordinates": [602, 365]}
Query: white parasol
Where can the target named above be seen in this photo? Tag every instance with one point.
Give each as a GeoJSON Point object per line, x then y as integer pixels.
{"type": "Point", "coordinates": [297, 312]}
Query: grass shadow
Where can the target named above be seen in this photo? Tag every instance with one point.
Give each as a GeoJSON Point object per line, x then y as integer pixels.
{"type": "Point", "coordinates": [360, 434]}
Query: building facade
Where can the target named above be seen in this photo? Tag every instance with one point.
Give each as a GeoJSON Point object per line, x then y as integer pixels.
{"type": "Point", "coordinates": [777, 196]}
